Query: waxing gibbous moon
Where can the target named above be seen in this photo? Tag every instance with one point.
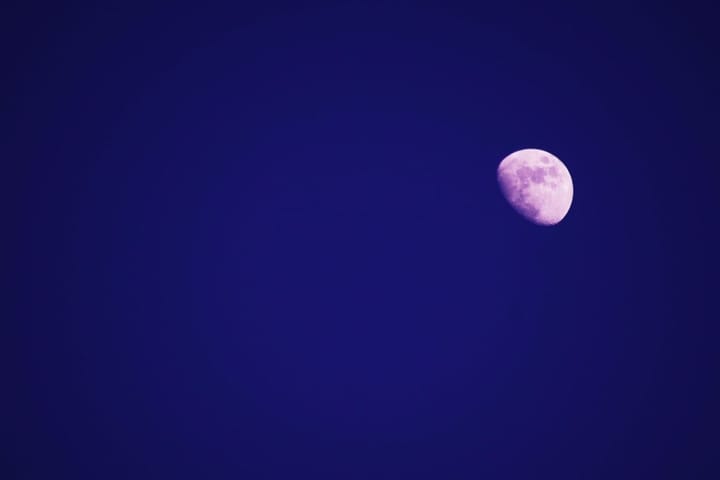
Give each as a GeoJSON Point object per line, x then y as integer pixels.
{"type": "Point", "coordinates": [537, 185]}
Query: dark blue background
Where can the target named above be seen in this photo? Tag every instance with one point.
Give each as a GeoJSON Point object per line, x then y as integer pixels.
{"type": "Point", "coordinates": [267, 242]}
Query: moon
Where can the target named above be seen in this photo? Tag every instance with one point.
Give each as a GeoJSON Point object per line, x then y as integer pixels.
{"type": "Point", "coordinates": [537, 185]}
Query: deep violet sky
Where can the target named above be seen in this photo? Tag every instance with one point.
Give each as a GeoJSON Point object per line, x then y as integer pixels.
{"type": "Point", "coordinates": [266, 242]}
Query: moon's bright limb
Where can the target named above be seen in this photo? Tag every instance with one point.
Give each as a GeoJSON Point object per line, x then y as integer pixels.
{"type": "Point", "coordinates": [537, 185]}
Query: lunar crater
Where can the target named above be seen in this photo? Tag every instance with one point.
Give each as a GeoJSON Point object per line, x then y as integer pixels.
{"type": "Point", "coordinates": [538, 175]}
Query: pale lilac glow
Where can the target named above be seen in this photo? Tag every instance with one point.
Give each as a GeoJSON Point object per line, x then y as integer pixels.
{"type": "Point", "coordinates": [537, 185]}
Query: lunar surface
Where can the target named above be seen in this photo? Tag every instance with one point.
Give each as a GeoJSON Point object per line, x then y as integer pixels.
{"type": "Point", "coordinates": [537, 185]}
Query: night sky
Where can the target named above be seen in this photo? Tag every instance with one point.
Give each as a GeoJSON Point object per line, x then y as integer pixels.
{"type": "Point", "coordinates": [267, 241]}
